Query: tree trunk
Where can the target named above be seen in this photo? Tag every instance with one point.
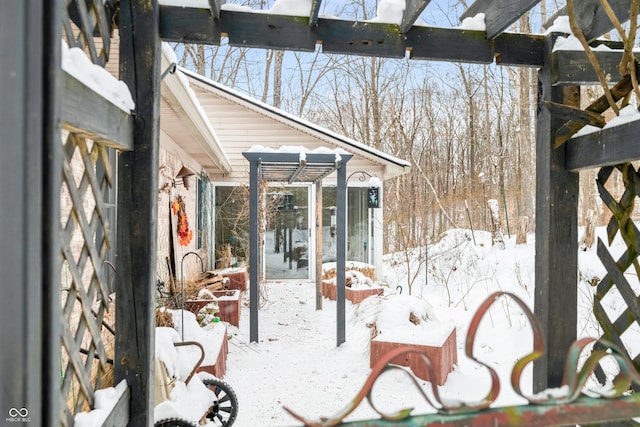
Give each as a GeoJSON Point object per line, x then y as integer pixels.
{"type": "Point", "coordinates": [523, 228]}
{"type": "Point", "coordinates": [497, 238]}
{"type": "Point", "coordinates": [277, 79]}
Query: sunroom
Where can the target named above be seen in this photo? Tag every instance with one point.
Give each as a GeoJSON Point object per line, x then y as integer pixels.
{"type": "Point", "coordinates": [288, 211]}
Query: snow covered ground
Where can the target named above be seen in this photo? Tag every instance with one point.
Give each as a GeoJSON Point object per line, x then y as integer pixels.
{"type": "Point", "coordinates": [298, 365]}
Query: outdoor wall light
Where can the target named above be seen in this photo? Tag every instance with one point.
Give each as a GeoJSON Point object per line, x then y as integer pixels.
{"type": "Point", "coordinates": [373, 197]}
{"type": "Point", "coordinates": [373, 191]}
{"type": "Point", "coordinates": [185, 173]}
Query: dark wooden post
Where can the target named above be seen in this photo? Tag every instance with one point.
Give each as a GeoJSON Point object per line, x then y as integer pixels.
{"type": "Point", "coordinates": [319, 245]}
{"type": "Point", "coordinates": [138, 209]}
{"type": "Point", "coordinates": [254, 249]}
{"type": "Point", "coordinates": [341, 251]}
{"type": "Point", "coordinates": [30, 173]}
{"type": "Point", "coordinates": [556, 234]}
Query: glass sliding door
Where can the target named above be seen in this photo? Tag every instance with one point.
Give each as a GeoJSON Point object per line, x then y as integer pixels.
{"type": "Point", "coordinates": [286, 243]}
{"type": "Point", "coordinates": [358, 231]}
{"type": "Point", "coordinates": [358, 236]}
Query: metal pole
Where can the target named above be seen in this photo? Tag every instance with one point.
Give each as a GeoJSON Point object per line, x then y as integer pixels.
{"type": "Point", "coordinates": [182, 285]}
{"type": "Point", "coordinates": [254, 189]}
{"type": "Point", "coordinates": [319, 245]}
{"type": "Point", "coordinates": [341, 251]}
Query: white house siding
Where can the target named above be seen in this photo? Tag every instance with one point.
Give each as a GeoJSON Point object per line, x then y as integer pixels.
{"type": "Point", "coordinates": [172, 159]}
{"type": "Point", "coordinates": [240, 127]}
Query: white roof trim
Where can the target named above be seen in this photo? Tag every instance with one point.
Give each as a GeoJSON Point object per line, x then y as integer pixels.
{"type": "Point", "coordinates": [179, 88]}
{"type": "Point", "coordinates": [400, 166]}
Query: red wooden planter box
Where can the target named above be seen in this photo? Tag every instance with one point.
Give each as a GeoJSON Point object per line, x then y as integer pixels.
{"type": "Point", "coordinates": [195, 305]}
{"type": "Point", "coordinates": [442, 358]}
{"type": "Point", "coordinates": [237, 278]}
{"type": "Point", "coordinates": [329, 290]}
{"type": "Point", "coordinates": [228, 305]}
{"type": "Point", "coordinates": [219, 367]}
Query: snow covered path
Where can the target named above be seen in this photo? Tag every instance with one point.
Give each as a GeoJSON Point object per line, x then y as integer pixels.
{"type": "Point", "coordinates": [297, 364]}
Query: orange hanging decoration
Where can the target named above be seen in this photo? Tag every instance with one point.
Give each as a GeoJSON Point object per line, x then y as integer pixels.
{"type": "Point", "coordinates": [184, 233]}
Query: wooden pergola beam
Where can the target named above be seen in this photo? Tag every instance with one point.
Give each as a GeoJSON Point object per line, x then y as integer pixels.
{"type": "Point", "coordinates": [298, 171]}
{"type": "Point", "coordinates": [599, 106]}
{"type": "Point", "coordinates": [411, 13]}
{"type": "Point", "coordinates": [315, 10]}
{"type": "Point", "coordinates": [567, 113]}
{"type": "Point", "coordinates": [268, 31]}
{"type": "Point", "coordinates": [499, 14]}
{"type": "Point", "coordinates": [215, 6]}
{"type": "Point", "coordinates": [591, 17]}
{"type": "Point", "coordinates": [89, 114]}
{"type": "Point", "coordinates": [572, 67]}
{"type": "Point", "coordinates": [607, 147]}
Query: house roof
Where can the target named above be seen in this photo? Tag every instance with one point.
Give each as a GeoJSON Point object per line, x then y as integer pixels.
{"type": "Point", "coordinates": [186, 123]}
{"type": "Point", "coordinates": [392, 166]}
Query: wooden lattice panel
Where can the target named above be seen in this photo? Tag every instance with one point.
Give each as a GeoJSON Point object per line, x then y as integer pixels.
{"type": "Point", "coordinates": [86, 298]}
{"type": "Point", "coordinates": [620, 324]}
{"type": "Point", "coordinates": [87, 24]}
{"type": "Point", "coordinates": [87, 336]}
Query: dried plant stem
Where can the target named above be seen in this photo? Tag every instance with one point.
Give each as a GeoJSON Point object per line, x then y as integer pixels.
{"type": "Point", "coordinates": [577, 31]}
{"type": "Point", "coordinates": [627, 63]}
{"type": "Point", "coordinates": [628, 46]}
{"type": "Point", "coordinates": [614, 19]}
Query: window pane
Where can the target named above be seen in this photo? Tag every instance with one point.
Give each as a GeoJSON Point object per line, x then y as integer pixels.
{"type": "Point", "coordinates": [232, 226]}
{"type": "Point", "coordinates": [287, 236]}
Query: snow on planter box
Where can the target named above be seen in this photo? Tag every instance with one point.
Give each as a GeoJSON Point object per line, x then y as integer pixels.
{"type": "Point", "coordinates": [226, 304]}
{"type": "Point", "coordinates": [357, 287]}
{"type": "Point", "coordinates": [407, 321]}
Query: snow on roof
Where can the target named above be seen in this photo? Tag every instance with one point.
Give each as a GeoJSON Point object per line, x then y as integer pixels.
{"type": "Point", "coordinates": [302, 151]}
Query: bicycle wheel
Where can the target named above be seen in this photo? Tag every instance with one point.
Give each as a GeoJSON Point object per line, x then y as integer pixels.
{"type": "Point", "coordinates": [224, 410]}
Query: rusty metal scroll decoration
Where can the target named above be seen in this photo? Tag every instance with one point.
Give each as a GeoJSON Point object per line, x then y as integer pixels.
{"type": "Point", "coordinates": [573, 382]}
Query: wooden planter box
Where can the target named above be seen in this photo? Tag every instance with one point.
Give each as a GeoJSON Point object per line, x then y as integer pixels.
{"type": "Point", "coordinates": [237, 278]}
{"type": "Point", "coordinates": [228, 305]}
{"type": "Point", "coordinates": [442, 358]}
{"type": "Point", "coordinates": [216, 363]}
{"type": "Point", "coordinates": [329, 290]}
{"type": "Point", "coordinates": [195, 305]}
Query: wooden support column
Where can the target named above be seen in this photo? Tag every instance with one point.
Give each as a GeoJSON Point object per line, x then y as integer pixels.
{"type": "Point", "coordinates": [319, 245]}
{"type": "Point", "coordinates": [138, 209]}
{"type": "Point", "coordinates": [341, 251]}
{"type": "Point", "coordinates": [556, 261]}
{"type": "Point", "coordinates": [30, 173]}
{"type": "Point", "coordinates": [254, 253]}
